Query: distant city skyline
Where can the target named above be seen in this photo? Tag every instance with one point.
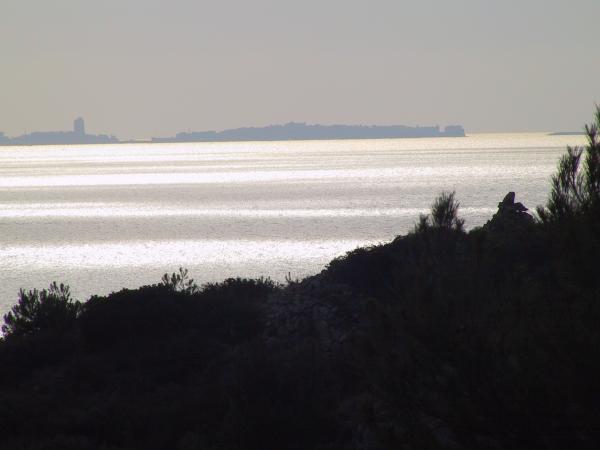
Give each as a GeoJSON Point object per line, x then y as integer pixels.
{"type": "Point", "coordinates": [148, 68]}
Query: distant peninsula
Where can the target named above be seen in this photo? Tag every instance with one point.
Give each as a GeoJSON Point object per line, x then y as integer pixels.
{"type": "Point", "coordinates": [567, 133]}
{"type": "Point", "coordinates": [76, 136]}
{"type": "Point", "coordinates": [302, 131]}
{"type": "Point", "coordinates": [292, 131]}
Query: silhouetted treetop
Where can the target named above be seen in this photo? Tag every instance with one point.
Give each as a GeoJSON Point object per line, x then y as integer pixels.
{"type": "Point", "coordinates": [576, 185]}
{"type": "Point", "coordinates": [444, 214]}
{"type": "Point", "coordinates": [35, 311]}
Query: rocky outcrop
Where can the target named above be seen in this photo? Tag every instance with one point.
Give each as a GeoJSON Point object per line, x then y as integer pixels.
{"type": "Point", "coordinates": [510, 215]}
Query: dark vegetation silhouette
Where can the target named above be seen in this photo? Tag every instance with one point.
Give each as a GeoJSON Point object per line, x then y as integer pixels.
{"type": "Point", "coordinates": [442, 338]}
{"type": "Point", "coordinates": [41, 311]}
{"type": "Point", "coordinates": [444, 214]}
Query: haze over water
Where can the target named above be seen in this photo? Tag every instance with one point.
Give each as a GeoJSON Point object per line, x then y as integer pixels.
{"type": "Point", "coordinates": [105, 217]}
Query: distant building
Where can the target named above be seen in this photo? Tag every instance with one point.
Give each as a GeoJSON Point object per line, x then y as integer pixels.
{"type": "Point", "coordinates": [79, 126]}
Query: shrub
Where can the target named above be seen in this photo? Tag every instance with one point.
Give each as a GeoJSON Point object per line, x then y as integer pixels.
{"type": "Point", "coordinates": [48, 309]}
{"type": "Point", "coordinates": [444, 214]}
{"type": "Point", "coordinates": [179, 282]}
{"type": "Point", "coordinates": [576, 185]}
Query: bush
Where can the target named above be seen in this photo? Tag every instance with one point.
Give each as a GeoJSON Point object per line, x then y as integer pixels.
{"type": "Point", "coordinates": [48, 309]}
{"type": "Point", "coordinates": [179, 282]}
{"type": "Point", "coordinates": [576, 185]}
{"type": "Point", "coordinates": [444, 214]}
{"type": "Point", "coordinates": [226, 311]}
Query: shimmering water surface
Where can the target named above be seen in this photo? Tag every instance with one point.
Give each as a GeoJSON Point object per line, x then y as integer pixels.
{"type": "Point", "coordinates": [104, 217]}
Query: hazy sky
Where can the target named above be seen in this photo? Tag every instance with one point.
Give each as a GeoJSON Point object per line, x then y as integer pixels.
{"type": "Point", "coordinates": [141, 68]}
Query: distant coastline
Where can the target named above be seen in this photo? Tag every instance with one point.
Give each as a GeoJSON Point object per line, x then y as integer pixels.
{"type": "Point", "coordinates": [292, 131]}
{"type": "Point", "coordinates": [76, 136]}
{"type": "Point", "coordinates": [567, 133]}
{"type": "Point", "coordinates": [300, 131]}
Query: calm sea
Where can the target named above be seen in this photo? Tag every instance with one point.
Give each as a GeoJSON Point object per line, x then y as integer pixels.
{"type": "Point", "coordinates": [105, 217]}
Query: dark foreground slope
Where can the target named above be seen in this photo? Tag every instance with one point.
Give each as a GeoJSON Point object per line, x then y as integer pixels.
{"type": "Point", "coordinates": [440, 339]}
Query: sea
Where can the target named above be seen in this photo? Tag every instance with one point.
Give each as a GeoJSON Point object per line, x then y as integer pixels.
{"type": "Point", "coordinates": [105, 217]}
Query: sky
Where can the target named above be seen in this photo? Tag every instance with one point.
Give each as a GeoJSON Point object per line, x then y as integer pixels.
{"type": "Point", "coordinates": [143, 68]}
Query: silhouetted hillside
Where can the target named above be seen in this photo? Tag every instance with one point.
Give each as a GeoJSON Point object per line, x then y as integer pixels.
{"type": "Point", "coordinates": [442, 338]}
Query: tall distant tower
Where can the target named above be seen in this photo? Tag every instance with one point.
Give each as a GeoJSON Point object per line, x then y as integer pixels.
{"type": "Point", "coordinates": [79, 126]}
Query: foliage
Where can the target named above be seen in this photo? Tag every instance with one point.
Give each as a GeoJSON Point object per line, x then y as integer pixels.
{"type": "Point", "coordinates": [48, 309]}
{"type": "Point", "coordinates": [576, 185]}
{"type": "Point", "coordinates": [226, 310]}
{"type": "Point", "coordinates": [444, 214]}
{"type": "Point", "coordinates": [180, 282]}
